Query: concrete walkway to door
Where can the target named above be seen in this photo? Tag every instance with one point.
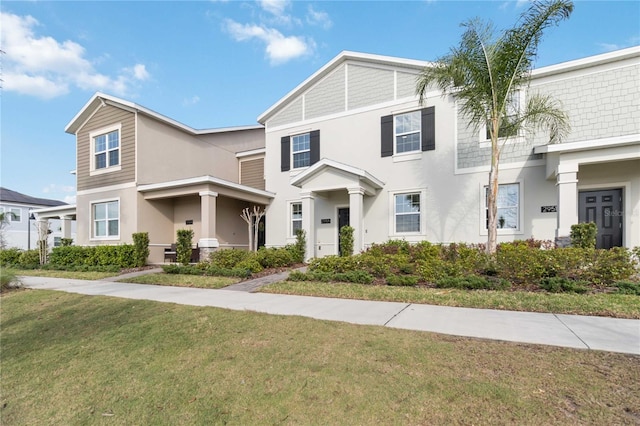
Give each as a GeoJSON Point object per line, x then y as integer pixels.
{"type": "Point", "coordinates": [573, 331]}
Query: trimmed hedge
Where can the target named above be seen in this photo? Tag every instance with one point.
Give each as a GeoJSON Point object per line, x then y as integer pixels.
{"type": "Point", "coordinates": [121, 256]}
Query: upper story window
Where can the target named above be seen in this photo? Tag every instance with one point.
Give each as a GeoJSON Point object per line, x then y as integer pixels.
{"type": "Point", "coordinates": [301, 150]}
{"type": "Point", "coordinates": [106, 219]}
{"type": "Point", "coordinates": [512, 110]}
{"type": "Point", "coordinates": [407, 132]}
{"type": "Point", "coordinates": [105, 150]}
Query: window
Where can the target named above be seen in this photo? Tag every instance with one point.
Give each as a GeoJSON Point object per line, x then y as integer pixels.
{"type": "Point", "coordinates": [407, 213]}
{"type": "Point", "coordinates": [15, 215]}
{"type": "Point", "coordinates": [511, 113]}
{"type": "Point", "coordinates": [508, 206]}
{"type": "Point", "coordinates": [57, 241]}
{"type": "Point", "coordinates": [301, 150]}
{"type": "Point", "coordinates": [106, 219]}
{"type": "Point", "coordinates": [107, 150]}
{"type": "Point", "coordinates": [407, 132]}
{"type": "Point", "coordinates": [296, 217]}
{"type": "Point", "coordinates": [411, 132]}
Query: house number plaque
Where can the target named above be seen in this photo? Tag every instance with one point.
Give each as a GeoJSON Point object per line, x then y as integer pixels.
{"type": "Point", "coordinates": [549, 209]}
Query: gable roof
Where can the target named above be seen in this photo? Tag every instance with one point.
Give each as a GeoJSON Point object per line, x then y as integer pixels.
{"type": "Point", "coordinates": [341, 58]}
{"type": "Point", "coordinates": [100, 99]}
{"type": "Point", "coordinates": [371, 182]}
{"type": "Point", "coordinates": [10, 196]}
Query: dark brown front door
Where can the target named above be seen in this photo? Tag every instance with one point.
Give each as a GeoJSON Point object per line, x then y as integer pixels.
{"type": "Point", "coordinates": [604, 208]}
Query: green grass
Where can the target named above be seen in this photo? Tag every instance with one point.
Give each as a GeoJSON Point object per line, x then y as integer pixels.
{"type": "Point", "coordinates": [601, 304]}
{"type": "Point", "coordinates": [73, 359]}
{"type": "Point", "coordinates": [65, 274]}
{"type": "Point", "coordinates": [183, 280]}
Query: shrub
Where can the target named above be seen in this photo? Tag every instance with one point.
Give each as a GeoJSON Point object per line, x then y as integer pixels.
{"type": "Point", "coordinates": [184, 245]}
{"type": "Point", "coordinates": [65, 242]}
{"type": "Point", "coordinates": [141, 248]}
{"type": "Point", "coordinates": [70, 255]}
{"type": "Point", "coordinates": [473, 282]}
{"type": "Point", "coordinates": [275, 257]}
{"type": "Point", "coordinates": [8, 279]}
{"type": "Point", "coordinates": [402, 280]}
{"type": "Point", "coordinates": [9, 257]}
{"type": "Point", "coordinates": [229, 258]}
{"type": "Point", "coordinates": [250, 264]}
{"type": "Point", "coordinates": [120, 256]}
{"type": "Point", "coordinates": [300, 246]}
{"type": "Point", "coordinates": [29, 259]}
{"type": "Point", "coordinates": [584, 235]}
{"type": "Point", "coordinates": [563, 285]}
{"type": "Point", "coordinates": [627, 287]}
{"type": "Point", "coordinates": [360, 277]}
{"type": "Point", "coordinates": [333, 264]}
{"type": "Point", "coordinates": [211, 270]}
{"type": "Point", "coordinates": [346, 241]}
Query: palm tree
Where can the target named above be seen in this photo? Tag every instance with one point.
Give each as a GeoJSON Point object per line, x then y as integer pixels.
{"type": "Point", "coordinates": [486, 72]}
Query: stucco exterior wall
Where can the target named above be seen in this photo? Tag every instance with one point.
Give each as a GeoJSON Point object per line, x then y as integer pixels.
{"type": "Point", "coordinates": [128, 198]}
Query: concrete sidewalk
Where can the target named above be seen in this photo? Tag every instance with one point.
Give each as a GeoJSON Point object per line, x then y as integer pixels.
{"type": "Point", "coordinates": [583, 332]}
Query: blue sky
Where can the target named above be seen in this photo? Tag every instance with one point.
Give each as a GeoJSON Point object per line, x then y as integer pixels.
{"type": "Point", "coordinates": [222, 63]}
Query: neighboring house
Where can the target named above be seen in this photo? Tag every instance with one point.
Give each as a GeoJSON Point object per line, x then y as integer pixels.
{"type": "Point", "coordinates": [21, 212]}
{"type": "Point", "coordinates": [139, 171]}
{"type": "Point", "coordinates": [352, 145]}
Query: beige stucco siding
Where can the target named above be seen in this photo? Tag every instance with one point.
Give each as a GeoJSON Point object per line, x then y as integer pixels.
{"type": "Point", "coordinates": [106, 116]}
{"type": "Point", "coordinates": [168, 154]}
{"type": "Point", "coordinates": [232, 230]}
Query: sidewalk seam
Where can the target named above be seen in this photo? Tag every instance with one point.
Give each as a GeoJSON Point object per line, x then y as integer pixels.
{"type": "Point", "coordinates": [572, 332]}
{"type": "Point", "coordinates": [396, 314]}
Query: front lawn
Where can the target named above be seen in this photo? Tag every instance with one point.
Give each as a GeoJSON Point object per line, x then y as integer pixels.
{"type": "Point", "coordinates": [599, 304]}
{"type": "Point", "coordinates": [181, 280]}
{"type": "Point", "coordinates": [76, 275]}
{"type": "Point", "coordinates": [73, 359]}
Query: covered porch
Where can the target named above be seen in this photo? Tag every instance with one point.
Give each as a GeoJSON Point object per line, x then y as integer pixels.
{"type": "Point", "coordinates": [209, 206]}
{"type": "Point", "coordinates": [597, 181]}
{"type": "Point", "coordinates": [333, 195]}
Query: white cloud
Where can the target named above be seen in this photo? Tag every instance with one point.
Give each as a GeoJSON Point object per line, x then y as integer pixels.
{"type": "Point", "coordinates": [316, 17]}
{"type": "Point", "coordinates": [191, 101]}
{"type": "Point", "coordinates": [70, 199]}
{"type": "Point", "coordinates": [44, 67]}
{"type": "Point", "coordinates": [275, 7]}
{"type": "Point", "coordinates": [279, 48]}
{"type": "Point", "coordinates": [52, 187]}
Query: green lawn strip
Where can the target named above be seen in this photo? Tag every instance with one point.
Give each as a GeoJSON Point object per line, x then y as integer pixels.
{"type": "Point", "coordinates": [181, 280]}
{"type": "Point", "coordinates": [610, 305]}
{"type": "Point", "coordinates": [73, 359]}
{"type": "Point", "coordinates": [51, 273]}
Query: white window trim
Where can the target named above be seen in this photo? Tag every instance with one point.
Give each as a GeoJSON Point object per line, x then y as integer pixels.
{"type": "Point", "coordinates": [300, 152]}
{"type": "Point", "coordinates": [92, 160]}
{"type": "Point", "coordinates": [11, 217]}
{"type": "Point", "coordinates": [483, 210]}
{"type": "Point", "coordinates": [519, 138]}
{"type": "Point", "coordinates": [398, 156]}
{"type": "Point", "coordinates": [290, 204]}
{"type": "Point", "coordinates": [417, 236]}
{"type": "Point", "coordinates": [92, 236]}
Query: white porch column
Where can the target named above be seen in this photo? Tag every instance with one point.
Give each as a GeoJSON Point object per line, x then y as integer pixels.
{"type": "Point", "coordinates": [356, 221]}
{"type": "Point", "coordinates": [308, 213]}
{"type": "Point", "coordinates": [66, 226]}
{"type": "Point", "coordinates": [208, 241]}
{"type": "Point", "coordinates": [567, 183]}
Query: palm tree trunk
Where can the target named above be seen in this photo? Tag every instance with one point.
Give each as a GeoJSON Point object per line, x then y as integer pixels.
{"type": "Point", "coordinates": [492, 204]}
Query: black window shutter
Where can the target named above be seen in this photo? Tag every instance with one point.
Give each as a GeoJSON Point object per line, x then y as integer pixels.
{"type": "Point", "coordinates": [314, 146]}
{"type": "Point", "coordinates": [285, 153]}
{"type": "Point", "coordinates": [429, 129]}
{"type": "Point", "coordinates": [386, 133]}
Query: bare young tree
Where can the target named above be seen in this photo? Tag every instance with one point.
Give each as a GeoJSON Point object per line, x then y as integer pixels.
{"type": "Point", "coordinates": [43, 229]}
{"type": "Point", "coordinates": [252, 218]}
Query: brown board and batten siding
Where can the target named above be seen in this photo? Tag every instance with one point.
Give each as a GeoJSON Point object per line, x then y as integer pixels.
{"type": "Point", "coordinates": [107, 116]}
{"type": "Point", "coordinates": [252, 173]}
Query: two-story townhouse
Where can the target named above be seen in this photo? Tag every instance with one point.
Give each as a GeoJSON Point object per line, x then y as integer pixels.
{"type": "Point", "coordinates": [140, 171]}
{"type": "Point", "coordinates": [21, 213]}
{"type": "Point", "coordinates": [352, 145]}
